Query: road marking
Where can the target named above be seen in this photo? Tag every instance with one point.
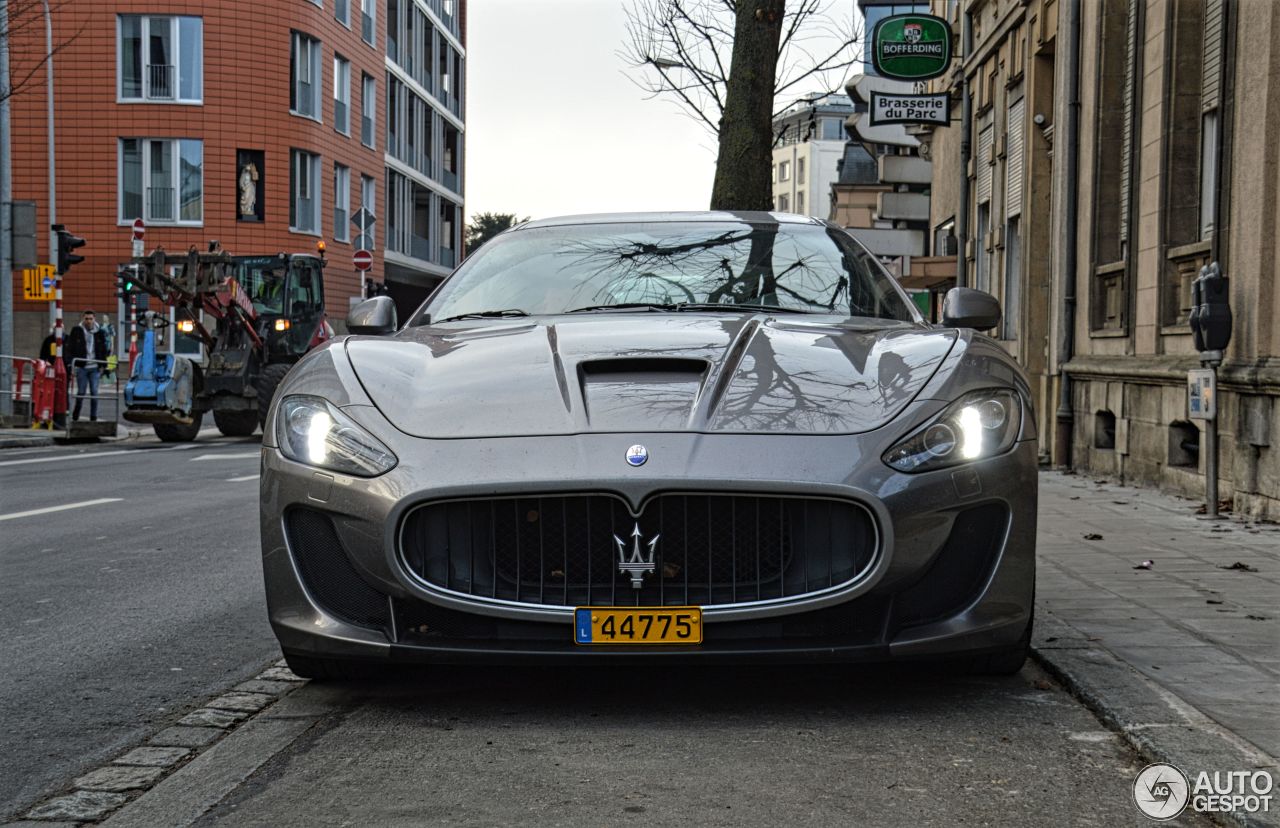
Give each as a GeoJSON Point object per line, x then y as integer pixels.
{"type": "Point", "coordinates": [242, 479]}
{"type": "Point", "coordinates": [46, 510]}
{"type": "Point", "coordinates": [78, 456]}
{"type": "Point", "coordinates": [240, 455]}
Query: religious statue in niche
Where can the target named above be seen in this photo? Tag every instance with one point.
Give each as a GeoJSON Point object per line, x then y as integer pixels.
{"type": "Point", "coordinates": [249, 190]}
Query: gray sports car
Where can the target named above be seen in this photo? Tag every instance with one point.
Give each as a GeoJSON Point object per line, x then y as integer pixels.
{"type": "Point", "coordinates": [678, 436]}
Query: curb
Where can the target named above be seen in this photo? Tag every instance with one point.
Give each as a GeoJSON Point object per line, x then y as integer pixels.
{"type": "Point", "coordinates": [33, 441]}
{"type": "Point", "coordinates": [96, 794]}
{"type": "Point", "coordinates": [1152, 720]}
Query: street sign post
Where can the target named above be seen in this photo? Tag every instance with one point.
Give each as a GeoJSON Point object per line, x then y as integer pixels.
{"type": "Point", "coordinates": [1202, 394]}
{"type": "Point", "coordinates": [37, 283]}
{"type": "Point", "coordinates": [139, 230]}
{"type": "Point", "coordinates": [363, 260]}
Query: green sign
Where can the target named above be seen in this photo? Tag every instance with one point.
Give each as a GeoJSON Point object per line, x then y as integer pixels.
{"type": "Point", "coordinates": [911, 46]}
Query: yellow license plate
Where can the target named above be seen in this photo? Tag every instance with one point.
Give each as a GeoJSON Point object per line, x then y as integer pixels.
{"type": "Point", "coordinates": [638, 625]}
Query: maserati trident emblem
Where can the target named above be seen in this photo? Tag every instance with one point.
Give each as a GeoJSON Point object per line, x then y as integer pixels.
{"type": "Point", "coordinates": [636, 566]}
{"type": "Point", "coordinates": [637, 455]}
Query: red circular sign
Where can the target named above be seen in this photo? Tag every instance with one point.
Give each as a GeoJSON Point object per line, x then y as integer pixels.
{"type": "Point", "coordinates": [139, 228]}
{"type": "Point", "coordinates": [363, 259]}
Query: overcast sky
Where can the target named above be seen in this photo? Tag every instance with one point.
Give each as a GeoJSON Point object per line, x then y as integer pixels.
{"type": "Point", "coordinates": [555, 127]}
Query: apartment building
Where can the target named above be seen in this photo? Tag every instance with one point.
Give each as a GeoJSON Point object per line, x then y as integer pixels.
{"type": "Point", "coordinates": [265, 126]}
{"type": "Point", "coordinates": [808, 145]}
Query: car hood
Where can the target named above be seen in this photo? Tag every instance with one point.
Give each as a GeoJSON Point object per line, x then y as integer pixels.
{"type": "Point", "coordinates": [647, 372]}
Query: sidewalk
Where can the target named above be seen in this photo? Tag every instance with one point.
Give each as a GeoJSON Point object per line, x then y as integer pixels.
{"type": "Point", "coordinates": [1194, 634]}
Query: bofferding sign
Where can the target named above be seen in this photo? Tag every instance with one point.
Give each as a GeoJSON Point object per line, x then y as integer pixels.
{"type": "Point", "coordinates": [911, 46]}
{"type": "Point", "coordinates": [888, 108]}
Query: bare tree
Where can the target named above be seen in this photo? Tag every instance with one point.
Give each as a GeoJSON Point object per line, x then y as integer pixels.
{"type": "Point", "coordinates": [24, 36]}
{"type": "Point", "coordinates": [733, 65]}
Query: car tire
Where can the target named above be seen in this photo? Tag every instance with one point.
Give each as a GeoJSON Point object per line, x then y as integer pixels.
{"type": "Point", "coordinates": [236, 423]}
{"type": "Point", "coordinates": [1005, 662]}
{"type": "Point", "coordinates": [330, 669]}
{"type": "Point", "coordinates": [179, 432]}
{"type": "Point", "coordinates": [269, 380]}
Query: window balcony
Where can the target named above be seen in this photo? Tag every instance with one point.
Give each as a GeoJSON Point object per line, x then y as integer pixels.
{"type": "Point", "coordinates": [160, 81]}
{"type": "Point", "coordinates": [160, 204]}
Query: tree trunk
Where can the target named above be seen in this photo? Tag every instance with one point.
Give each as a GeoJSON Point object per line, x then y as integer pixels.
{"type": "Point", "coordinates": [742, 179]}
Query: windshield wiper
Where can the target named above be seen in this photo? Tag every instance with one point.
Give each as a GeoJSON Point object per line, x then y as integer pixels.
{"type": "Point", "coordinates": [689, 306]}
{"type": "Point", "coordinates": [743, 306]}
{"type": "Point", "coordinates": [489, 314]}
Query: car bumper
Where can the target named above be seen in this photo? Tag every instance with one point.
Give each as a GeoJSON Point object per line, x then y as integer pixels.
{"type": "Point", "coordinates": [955, 572]}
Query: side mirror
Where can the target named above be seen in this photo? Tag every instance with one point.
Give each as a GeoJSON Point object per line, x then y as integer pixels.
{"type": "Point", "coordinates": [376, 317]}
{"type": "Point", "coordinates": [969, 308]}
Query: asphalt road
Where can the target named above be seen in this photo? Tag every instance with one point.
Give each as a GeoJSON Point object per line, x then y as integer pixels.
{"type": "Point", "coordinates": [731, 747]}
{"type": "Point", "coordinates": [120, 615]}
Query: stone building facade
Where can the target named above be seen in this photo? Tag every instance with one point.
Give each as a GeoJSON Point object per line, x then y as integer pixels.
{"type": "Point", "coordinates": [1177, 164]}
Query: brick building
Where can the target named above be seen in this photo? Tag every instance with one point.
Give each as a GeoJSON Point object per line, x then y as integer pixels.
{"type": "Point", "coordinates": [266, 126]}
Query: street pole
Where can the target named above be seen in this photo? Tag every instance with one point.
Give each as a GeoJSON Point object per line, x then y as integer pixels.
{"type": "Point", "coordinates": [1211, 360]}
{"type": "Point", "coordinates": [53, 176]}
{"type": "Point", "coordinates": [6, 220]}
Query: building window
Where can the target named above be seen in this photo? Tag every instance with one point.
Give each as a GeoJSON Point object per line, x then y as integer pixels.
{"type": "Point", "coordinates": [1193, 140]}
{"type": "Point", "coordinates": [1117, 91]}
{"type": "Point", "coordinates": [799, 169]}
{"type": "Point", "coordinates": [1012, 298]}
{"type": "Point", "coordinates": [342, 12]}
{"type": "Point", "coordinates": [160, 58]}
{"type": "Point", "coordinates": [368, 106]}
{"type": "Point", "coordinates": [304, 61]}
{"type": "Point", "coordinates": [368, 201]}
{"type": "Point", "coordinates": [341, 203]}
{"type": "Point", "coordinates": [304, 192]}
{"type": "Point", "coordinates": [784, 204]}
{"type": "Point", "coordinates": [784, 171]}
{"type": "Point", "coordinates": [342, 95]}
{"type": "Point", "coordinates": [800, 201]}
{"type": "Point", "coordinates": [162, 180]}
{"type": "Point", "coordinates": [832, 129]}
{"type": "Point", "coordinates": [367, 20]}
{"type": "Point", "coordinates": [773, 174]}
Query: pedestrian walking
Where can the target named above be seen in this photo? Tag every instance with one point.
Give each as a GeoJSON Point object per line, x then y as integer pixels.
{"type": "Point", "coordinates": [88, 341]}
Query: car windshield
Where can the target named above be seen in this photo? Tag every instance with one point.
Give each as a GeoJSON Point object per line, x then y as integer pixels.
{"type": "Point", "coordinates": [670, 266]}
{"type": "Point", "coordinates": [263, 281]}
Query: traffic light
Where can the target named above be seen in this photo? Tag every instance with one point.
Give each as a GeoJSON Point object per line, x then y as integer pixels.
{"type": "Point", "coordinates": [66, 244]}
{"type": "Point", "coordinates": [124, 284]}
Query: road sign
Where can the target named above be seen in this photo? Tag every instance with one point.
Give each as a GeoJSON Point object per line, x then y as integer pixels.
{"type": "Point", "coordinates": [363, 219]}
{"type": "Point", "coordinates": [37, 283]}
{"type": "Point", "coordinates": [139, 229]}
{"type": "Point", "coordinates": [910, 109]}
{"type": "Point", "coordinates": [911, 46]}
{"type": "Point", "coordinates": [363, 260]}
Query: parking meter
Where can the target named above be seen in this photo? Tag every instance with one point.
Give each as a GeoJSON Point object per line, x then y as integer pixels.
{"type": "Point", "coordinates": [1210, 309]}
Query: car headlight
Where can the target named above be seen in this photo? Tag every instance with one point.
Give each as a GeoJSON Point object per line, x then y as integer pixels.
{"type": "Point", "coordinates": [976, 426]}
{"type": "Point", "coordinates": [313, 431]}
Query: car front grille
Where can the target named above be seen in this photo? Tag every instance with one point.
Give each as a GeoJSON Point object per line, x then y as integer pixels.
{"type": "Point", "coordinates": [710, 549]}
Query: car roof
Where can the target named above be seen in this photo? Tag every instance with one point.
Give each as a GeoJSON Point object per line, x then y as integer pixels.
{"type": "Point", "coordinates": [749, 216]}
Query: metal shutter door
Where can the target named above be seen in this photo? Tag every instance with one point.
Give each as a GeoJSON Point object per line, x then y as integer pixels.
{"type": "Point", "coordinates": [1211, 74]}
{"type": "Point", "coordinates": [1014, 158]}
{"type": "Point", "coordinates": [1126, 142]}
{"type": "Point", "coordinates": [984, 164]}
